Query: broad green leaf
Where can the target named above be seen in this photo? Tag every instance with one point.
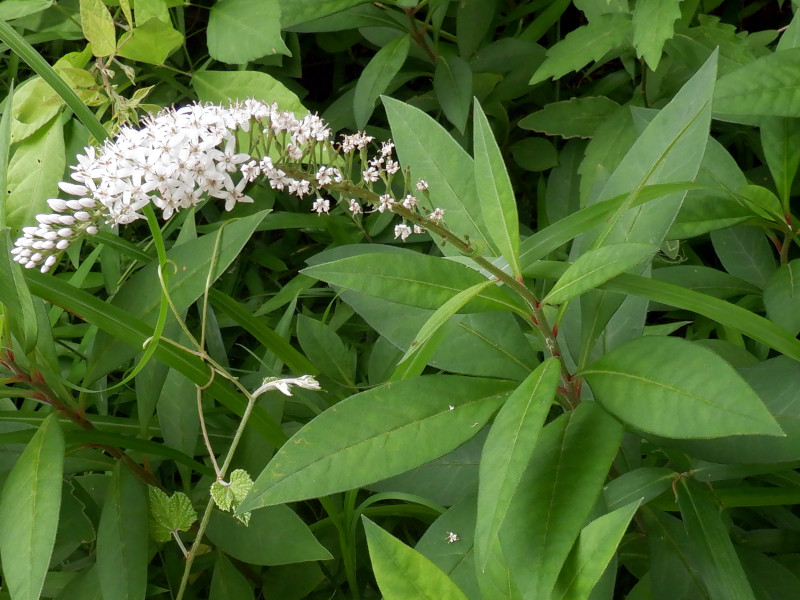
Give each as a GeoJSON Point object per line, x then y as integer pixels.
{"type": "Point", "coordinates": [508, 449]}
{"type": "Point", "coordinates": [29, 512]}
{"type": "Point", "coordinates": [714, 554]}
{"type": "Point", "coordinates": [595, 267]}
{"type": "Point", "coordinates": [140, 297]}
{"type": "Point", "coordinates": [767, 86]}
{"type": "Point", "coordinates": [14, 296]}
{"type": "Point", "coordinates": [294, 12]}
{"type": "Point", "coordinates": [498, 204]}
{"type": "Point", "coordinates": [326, 350]}
{"type": "Point", "coordinates": [661, 385]}
{"type": "Point", "coordinates": [169, 513]}
{"type": "Point", "coordinates": [555, 496]}
{"type": "Point", "coordinates": [224, 86]}
{"type": "Point", "coordinates": [14, 9]}
{"type": "Point", "coordinates": [591, 554]}
{"type": "Point", "coordinates": [780, 139]}
{"type": "Point", "coordinates": [148, 9]}
{"type": "Point", "coordinates": [588, 43]}
{"type": "Point", "coordinates": [227, 583]}
{"type": "Point", "coordinates": [33, 175]}
{"type": "Point", "coordinates": [228, 495]}
{"type": "Point", "coordinates": [404, 573]}
{"type": "Point", "coordinates": [745, 252]}
{"type": "Point", "coordinates": [34, 105]}
{"type": "Point", "coordinates": [534, 154]}
{"type": "Point", "coordinates": [410, 278]}
{"type": "Point", "coordinates": [452, 84]}
{"type": "Point", "coordinates": [377, 75]}
{"type": "Point", "coordinates": [653, 24]}
{"type": "Point", "coordinates": [152, 42]}
{"type": "Point", "coordinates": [274, 536]}
{"type": "Point", "coordinates": [577, 117]}
{"type": "Point", "coordinates": [782, 297]}
{"type": "Point", "coordinates": [240, 31]}
{"type": "Point", "coordinates": [98, 27]}
{"type": "Point", "coordinates": [473, 21]}
{"type": "Point", "coordinates": [376, 434]}
{"type": "Point", "coordinates": [442, 162]}
{"type": "Point", "coordinates": [122, 538]}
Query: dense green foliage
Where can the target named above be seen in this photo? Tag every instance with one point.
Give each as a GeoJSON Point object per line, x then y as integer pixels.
{"type": "Point", "coordinates": [565, 365]}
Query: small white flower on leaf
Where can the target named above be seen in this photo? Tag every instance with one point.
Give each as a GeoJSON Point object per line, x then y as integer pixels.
{"type": "Point", "coordinates": [229, 495]}
{"type": "Point", "coordinates": [452, 537]}
{"type": "Point", "coordinates": [169, 514]}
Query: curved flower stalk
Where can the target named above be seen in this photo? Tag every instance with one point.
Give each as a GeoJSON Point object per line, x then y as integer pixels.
{"type": "Point", "coordinates": [182, 156]}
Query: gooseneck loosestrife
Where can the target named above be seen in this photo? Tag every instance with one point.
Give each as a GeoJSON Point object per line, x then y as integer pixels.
{"type": "Point", "coordinates": [180, 157]}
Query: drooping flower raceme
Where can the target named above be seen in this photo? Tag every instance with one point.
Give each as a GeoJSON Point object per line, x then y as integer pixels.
{"type": "Point", "coordinates": [182, 156]}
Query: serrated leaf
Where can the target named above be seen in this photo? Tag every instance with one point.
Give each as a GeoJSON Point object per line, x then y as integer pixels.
{"type": "Point", "coordinates": [376, 434]}
{"type": "Point", "coordinates": [151, 42]}
{"type": "Point", "coordinates": [508, 449]}
{"type": "Point", "coordinates": [661, 385]}
{"type": "Point", "coordinates": [228, 495]}
{"type": "Point", "coordinates": [241, 31]}
{"type": "Point", "coordinates": [452, 84]}
{"type": "Point", "coordinates": [377, 75]}
{"type": "Point", "coordinates": [782, 297]}
{"type": "Point", "coordinates": [29, 511]}
{"type": "Point", "coordinates": [98, 27]}
{"type": "Point", "coordinates": [169, 513]}
{"type": "Point", "coordinates": [577, 117]}
{"type": "Point", "coordinates": [595, 267]}
{"type": "Point", "coordinates": [498, 204]}
{"type": "Point", "coordinates": [403, 573]}
{"type": "Point", "coordinates": [654, 24]}
{"type": "Point", "coordinates": [767, 86]}
{"type": "Point", "coordinates": [588, 43]}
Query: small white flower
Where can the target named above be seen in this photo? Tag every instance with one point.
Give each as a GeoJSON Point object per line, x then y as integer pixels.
{"type": "Point", "coordinates": [392, 166]}
{"type": "Point", "coordinates": [437, 215]}
{"type": "Point", "coordinates": [386, 202]}
{"type": "Point", "coordinates": [321, 206]}
{"type": "Point", "coordinates": [402, 231]}
{"type": "Point", "coordinates": [409, 202]}
{"type": "Point", "coordinates": [422, 185]}
{"type": "Point", "coordinates": [371, 175]}
{"type": "Point", "coordinates": [354, 207]}
{"type": "Point", "coordinates": [452, 537]}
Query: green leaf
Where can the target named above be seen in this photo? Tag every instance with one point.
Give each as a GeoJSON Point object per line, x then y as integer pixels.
{"type": "Point", "coordinates": [229, 495]}
{"type": "Point", "coordinates": [294, 12]}
{"type": "Point", "coordinates": [404, 573]}
{"type": "Point", "coordinates": [452, 84]}
{"type": "Point", "coordinates": [714, 554]}
{"type": "Point", "coordinates": [240, 31]}
{"type": "Point", "coordinates": [595, 267]}
{"type": "Point", "coordinates": [122, 538]}
{"type": "Point", "coordinates": [169, 513]}
{"type": "Point", "coordinates": [274, 536]}
{"type": "Point", "coordinates": [591, 554]}
{"type": "Point", "coordinates": [376, 434]}
{"type": "Point", "coordinates": [591, 42]}
{"type": "Point", "coordinates": [661, 385]}
{"type": "Point", "coordinates": [221, 87]}
{"type": "Point", "coordinates": [534, 154]}
{"type": "Point", "coordinates": [442, 162]}
{"type": "Point", "coordinates": [507, 451]}
{"type": "Point", "coordinates": [556, 494]}
{"type": "Point", "coordinates": [498, 204]}
{"type": "Point", "coordinates": [19, 311]}
{"type": "Point", "coordinates": [780, 139]}
{"type": "Point", "coordinates": [325, 349]}
{"type": "Point", "coordinates": [654, 24]}
{"type": "Point", "coordinates": [767, 86]}
{"type": "Point", "coordinates": [153, 42]}
{"type": "Point", "coordinates": [29, 512]}
{"type": "Point", "coordinates": [98, 27]}
{"type": "Point", "coordinates": [14, 9]}
{"type": "Point", "coordinates": [745, 252]}
{"type": "Point", "coordinates": [228, 583]}
{"type": "Point", "coordinates": [410, 278]}
{"type": "Point", "coordinates": [640, 485]}
{"type": "Point", "coordinates": [33, 175]}
{"type": "Point", "coordinates": [473, 21]}
{"type": "Point", "coordinates": [377, 75]}
{"type": "Point", "coordinates": [782, 297]}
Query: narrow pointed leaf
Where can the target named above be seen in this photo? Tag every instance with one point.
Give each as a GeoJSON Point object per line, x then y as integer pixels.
{"type": "Point", "coordinates": [508, 449]}
{"type": "Point", "coordinates": [403, 573]}
{"type": "Point", "coordinates": [498, 205]}
{"type": "Point", "coordinates": [665, 386]}
{"type": "Point", "coordinates": [376, 434]}
{"type": "Point", "coordinates": [228, 583]}
{"type": "Point", "coordinates": [782, 297]}
{"type": "Point", "coordinates": [595, 267]}
{"type": "Point", "coordinates": [377, 75]}
{"type": "Point", "coordinates": [555, 497]}
{"type": "Point", "coordinates": [452, 83]}
{"type": "Point", "coordinates": [654, 24]}
{"type": "Point", "coordinates": [29, 512]}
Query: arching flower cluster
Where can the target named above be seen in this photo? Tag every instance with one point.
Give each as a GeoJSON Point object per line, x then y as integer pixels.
{"type": "Point", "coordinates": [182, 156]}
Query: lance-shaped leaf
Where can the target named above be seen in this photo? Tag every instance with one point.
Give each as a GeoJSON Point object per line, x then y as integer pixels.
{"type": "Point", "coordinates": [674, 388]}
{"type": "Point", "coordinates": [592, 552]}
{"type": "Point", "coordinates": [404, 573]}
{"type": "Point", "coordinates": [377, 75]}
{"type": "Point", "coordinates": [595, 267]}
{"type": "Point", "coordinates": [508, 449]}
{"type": "Point", "coordinates": [376, 434]}
{"type": "Point", "coordinates": [98, 27]}
{"type": "Point", "coordinates": [498, 205]}
{"type": "Point", "coordinates": [409, 278]}
{"type": "Point", "coordinates": [782, 297]}
{"type": "Point", "coordinates": [29, 507]}
{"type": "Point", "coordinates": [556, 495]}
